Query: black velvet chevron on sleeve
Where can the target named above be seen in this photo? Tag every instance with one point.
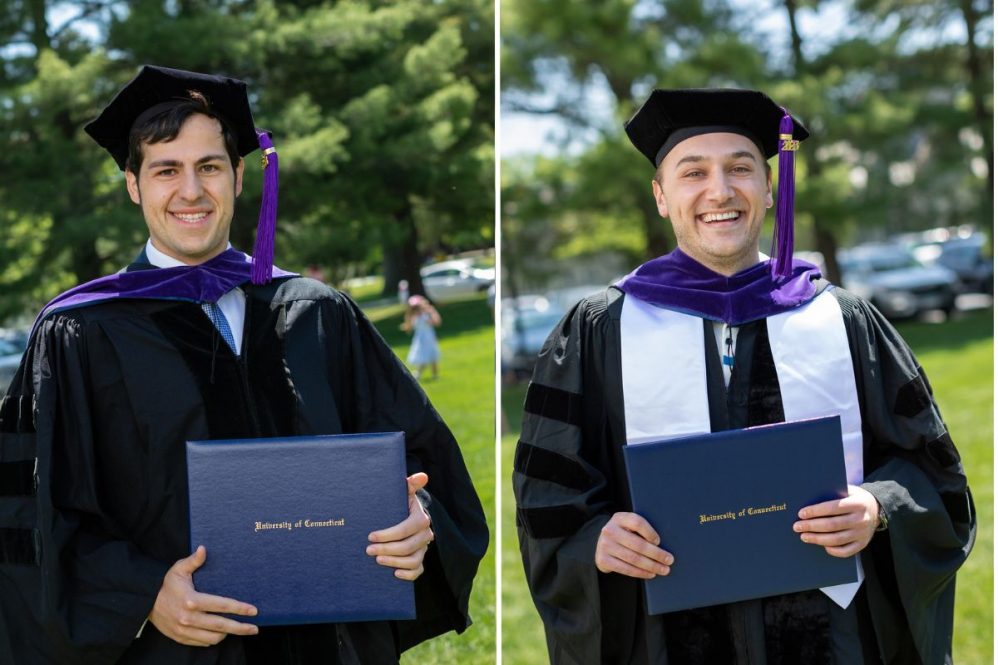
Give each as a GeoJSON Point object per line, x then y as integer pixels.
{"type": "Point", "coordinates": [553, 403]}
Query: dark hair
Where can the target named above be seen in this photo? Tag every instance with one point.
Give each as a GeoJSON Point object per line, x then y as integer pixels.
{"type": "Point", "coordinates": [165, 126]}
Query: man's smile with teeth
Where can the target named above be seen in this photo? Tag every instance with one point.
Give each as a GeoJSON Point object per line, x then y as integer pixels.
{"type": "Point", "coordinates": [190, 216]}
{"type": "Point", "coordinates": [720, 216]}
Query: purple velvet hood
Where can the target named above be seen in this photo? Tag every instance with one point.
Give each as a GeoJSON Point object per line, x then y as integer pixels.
{"type": "Point", "coordinates": [677, 282]}
{"type": "Point", "coordinates": [206, 282]}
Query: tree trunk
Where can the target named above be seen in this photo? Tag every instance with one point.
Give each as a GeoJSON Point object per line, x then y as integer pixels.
{"type": "Point", "coordinates": [391, 267]}
{"type": "Point", "coordinates": [402, 260]}
{"type": "Point", "coordinates": [86, 263]}
{"type": "Point", "coordinates": [39, 27]}
{"type": "Point", "coordinates": [658, 240]}
{"type": "Point", "coordinates": [656, 229]}
{"type": "Point", "coordinates": [796, 43]}
{"type": "Point", "coordinates": [823, 236]}
{"type": "Point", "coordinates": [977, 90]}
{"type": "Point", "coordinates": [828, 246]}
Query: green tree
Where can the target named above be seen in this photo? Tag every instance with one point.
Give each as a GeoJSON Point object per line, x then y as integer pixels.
{"type": "Point", "coordinates": [61, 221]}
{"type": "Point", "coordinates": [946, 76]}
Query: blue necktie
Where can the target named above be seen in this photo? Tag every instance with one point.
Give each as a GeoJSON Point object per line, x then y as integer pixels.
{"type": "Point", "coordinates": [217, 317]}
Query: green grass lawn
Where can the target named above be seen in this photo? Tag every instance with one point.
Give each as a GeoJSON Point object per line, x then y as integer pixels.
{"type": "Point", "coordinates": [465, 397]}
{"type": "Point", "coordinates": [958, 358]}
{"type": "Point", "coordinates": [365, 291]}
{"type": "Point", "coordinates": [523, 636]}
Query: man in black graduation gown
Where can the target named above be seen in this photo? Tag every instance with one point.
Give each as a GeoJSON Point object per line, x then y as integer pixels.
{"type": "Point", "coordinates": [908, 513]}
{"type": "Point", "coordinates": [194, 342]}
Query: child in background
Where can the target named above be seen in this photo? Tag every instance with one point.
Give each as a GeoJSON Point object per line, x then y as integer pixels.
{"type": "Point", "coordinates": [421, 318]}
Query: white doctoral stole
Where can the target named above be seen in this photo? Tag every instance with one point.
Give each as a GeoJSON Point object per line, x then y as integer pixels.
{"type": "Point", "coordinates": [664, 373]}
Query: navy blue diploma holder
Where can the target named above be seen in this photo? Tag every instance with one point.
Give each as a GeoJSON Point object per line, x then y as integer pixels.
{"type": "Point", "coordinates": [285, 523]}
{"type": "Point", "coordinates": [724, 505]}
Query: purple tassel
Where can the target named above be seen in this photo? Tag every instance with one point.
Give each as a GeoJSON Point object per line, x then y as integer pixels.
{"type": "Point", "coordinates": [782, 252]}
{"type": "Point", "coordinates": [263, 249]}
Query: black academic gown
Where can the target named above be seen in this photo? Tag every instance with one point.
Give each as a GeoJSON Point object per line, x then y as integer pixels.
{"type": "Point", "coordinates": [569, 478]}
{"type": "Point", "coordinates": [105, 399]}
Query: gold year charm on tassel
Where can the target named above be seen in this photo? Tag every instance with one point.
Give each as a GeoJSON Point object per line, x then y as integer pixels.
{"type": "Point", "coordinates": [789, 144]}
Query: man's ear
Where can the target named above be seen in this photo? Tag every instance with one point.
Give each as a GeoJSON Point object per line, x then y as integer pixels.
{"type": "Point", "coordinates": [239, 177]}
{"type": "Point", "coordinates": [132, 183]}
{"type": "Point", "coordinates": [663, 207]}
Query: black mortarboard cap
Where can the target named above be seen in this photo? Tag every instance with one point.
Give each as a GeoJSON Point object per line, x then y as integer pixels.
{"type": "Point", "coordinates": [671, 116]}
{"type": "Point", "coordinates": [154, 89]}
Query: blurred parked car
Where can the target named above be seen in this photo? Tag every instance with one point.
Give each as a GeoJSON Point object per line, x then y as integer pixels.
{"type": "Point", "coordinates": [453, 279]}
{"type": "Point", "coordinates": [10, 358]}
{"type": "Point", "coordinates": [964, 256]}
{"type": "Point", "coordinates": [895, 282]}
{"type": "Point", "coordinates": [526, 323]}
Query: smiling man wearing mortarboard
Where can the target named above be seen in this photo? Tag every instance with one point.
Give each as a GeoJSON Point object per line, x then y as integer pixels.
{"type": "Point", "coordinates": [716, 336]}
{"type": "Point", "coordinates": [193, 341]}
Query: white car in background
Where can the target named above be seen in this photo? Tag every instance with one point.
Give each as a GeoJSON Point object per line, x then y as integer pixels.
{"type": "Point", "coordinates": [455, 279]}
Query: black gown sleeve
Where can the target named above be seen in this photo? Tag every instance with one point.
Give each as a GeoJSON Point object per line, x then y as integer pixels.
{"type": "Point", "coordinates": [913, 469]}
{"type": "Point", "coordinates": [562, 484]}
{"type": "Point", "coordinates": [383, 396]}
{"type": "Point", "coordinates": [73, 589]}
